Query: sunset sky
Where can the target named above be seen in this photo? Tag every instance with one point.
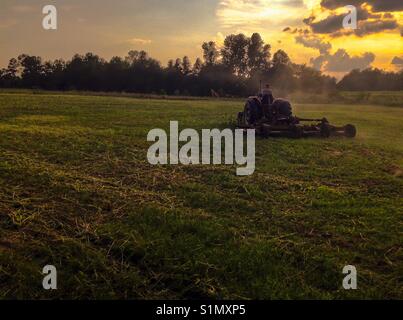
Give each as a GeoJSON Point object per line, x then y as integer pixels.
{"type": "Point", "coordinates": [310, 31]}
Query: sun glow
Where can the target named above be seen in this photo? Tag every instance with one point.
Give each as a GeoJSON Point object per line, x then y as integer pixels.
{"type": "Point", "coordinates": [264, 13]}
{"type": "Point", "coordinates": [312, 4]}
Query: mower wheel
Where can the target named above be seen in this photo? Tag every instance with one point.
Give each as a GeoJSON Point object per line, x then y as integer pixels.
{"type": "Point", "coordinates": [325, 131]}
{"type": "Point", "coordinates": [265, 132]}
{"type": "Point", "coordinates": [350, 131]}
{"type": "Point", "coordinates": [297, 132]}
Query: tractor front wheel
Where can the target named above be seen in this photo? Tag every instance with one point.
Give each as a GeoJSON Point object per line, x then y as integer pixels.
{"type": "Point", "coordinates": [252, 112]}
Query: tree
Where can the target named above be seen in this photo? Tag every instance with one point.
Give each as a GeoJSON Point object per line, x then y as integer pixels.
{"type": "Point", "coordinates": [310, 79]}
{"type": "Point", "coordinates": [186, 65]}
{"type": "Point", "coordinates": [32, 70]}
{"type": "Point", "coordinates": [371, 79]}
{"type": "Point", "coordinates": [117, 75]}
{"type": "Point", "coordinates": [178, 65]}
{"type": "Point", "coordinates": [245, 61]}
{"type": "Point", "coordinates": [135, 56]}
{"type": "Point", "coordinates": [54, 74]}
{"type": "Point", "coordinates": [12, 68]}
{"type": "Point", "coordinates": [10, 74]}
{"type": "Point", "coordinates": [144, 73]}
{"type": "Point", "coordinates": [210, 53]}
{"type": "Point", "coordinates": [234, 53]}
{"type": "Point", "coordinates": [171, 64]}
{"type": "Point", "coordinates": [280, 58]}
{"type": "Point", "coordinates": [258, 54]}
{"type": "Point", "coordinates": [86, 72]}
{"type": "Point", "coordinates": [281, 73]}
{"type": "Point", "coordinates": [197, 67]}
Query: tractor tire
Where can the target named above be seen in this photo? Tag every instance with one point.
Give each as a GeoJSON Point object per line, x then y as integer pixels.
{"type": "Point", "coordinates": [283, 107]}
{"type": "Point", "coordinates": [252, 112]}
{"type": "Point", "coordinates": [350, 131]}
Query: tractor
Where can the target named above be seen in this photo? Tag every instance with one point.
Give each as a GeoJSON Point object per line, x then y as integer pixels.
{"type": "Point", "coordinates": [277, 119]}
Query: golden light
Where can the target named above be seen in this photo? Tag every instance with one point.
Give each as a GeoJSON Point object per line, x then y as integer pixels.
{"type": "Point", "coordinates": [312, 4]}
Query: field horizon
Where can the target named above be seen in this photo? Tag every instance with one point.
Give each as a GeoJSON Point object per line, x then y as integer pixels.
{"type": "Point", "coordinates": [383, 98]}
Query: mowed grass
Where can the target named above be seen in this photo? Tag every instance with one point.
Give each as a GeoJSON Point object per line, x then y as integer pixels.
{"type": "Point", "coordinates": [76, 191]}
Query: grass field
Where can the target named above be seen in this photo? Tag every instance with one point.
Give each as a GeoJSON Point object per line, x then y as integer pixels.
{"type": "Point", "coordinates": [76, 191]}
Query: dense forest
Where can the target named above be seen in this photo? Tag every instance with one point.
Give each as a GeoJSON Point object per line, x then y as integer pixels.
{"type": "Point", "coordinates": [235, 69]}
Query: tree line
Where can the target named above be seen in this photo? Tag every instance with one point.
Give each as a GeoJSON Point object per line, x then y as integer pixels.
{"type": "Point", "coordinates": [235, 69]}
{"type": "Point", "coordinates": [372, 80]}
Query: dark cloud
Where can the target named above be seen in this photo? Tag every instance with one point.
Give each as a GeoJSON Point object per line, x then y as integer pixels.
{"type": "Point", "coordinates": [318, 62]}
{"type": "Point", "coordinates": [364, 14]}
{"type": "Point", "coordinates": [397, 61]}
{"type": "Point", "coordinates": [368, 23]}
{"type": "Point", "coordinates": [341, 61]}
{"type": "Point", "coordinates": [370, 27]}
{"type": "Point", "coordinates": [334, 4]}
{"type": "Point", "coordinates": [386, 5]}
{"type": "Point", "coordinates": [314, 43]}
{"type": "Point", "coordinates": [379, 18]}
{"type": "Point", "coordinates": [334, 22]}
{"type": "Point", "coordinates": [310, 40]}
{"type": "Point", "coordinates": [329, 25]}
{"type": "Point", "coordinates": [297, 31]}
{"type": "Point", "coordinates": [377, 5]}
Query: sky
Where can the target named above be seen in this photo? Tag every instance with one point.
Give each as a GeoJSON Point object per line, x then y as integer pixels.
{"type": "Point", "coordinates": [310, 31]}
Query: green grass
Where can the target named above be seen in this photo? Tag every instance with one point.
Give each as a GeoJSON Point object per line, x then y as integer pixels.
{"type": "Point", "coordinates": [382, 98]}
{"type": "Point", "coordinates": [76, 191]}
